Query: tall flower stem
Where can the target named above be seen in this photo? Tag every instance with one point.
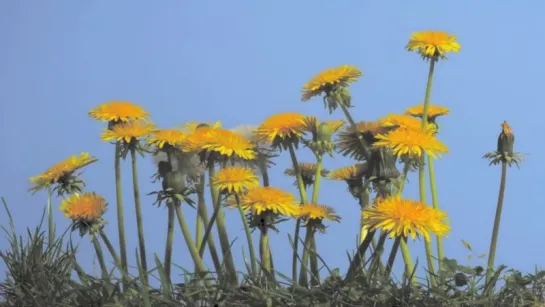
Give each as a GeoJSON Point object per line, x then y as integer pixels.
{"type": "Point", "coordinates": [264, 172]}
{"type": "Point", "coordinates": [138, 210]}
{"type": "Point", "coordinates": [120, 211]}
{"type": "Point", "coordinates": [170, 239]}
{"type": "Point", "coordinates": [422, 169]}
{"type": "Point", "coordinates": [222, 229]}
{"type": "Point", "coordinates": [51, 225]}
{"type": "Point", "coordinates": [100, 256]}
{"type": "Point", "coordinates": [392, 257]}
{"type": "Point", "coordinates": [409, 266]}
{"type": "Point", "coordinates": [170, 230]}
{"type": "Point", "coordinates": [303, 275]}
{"type": "Point", "coordinates": [264, 250]}
{"type": "Point", "coordinates": [497, 219]}
{"type": "Point", "coordinates": [203, 212]}
{"type": "Point", "coordinates": [303, 194]}
{"type": "Point", "coordinates": [253, 260]}
{"type": "Point", "coordinates": [435, 203]}
{"type": "Point", "coordinates": [193, 251]}
{"type": "Point", "coordinates": [312, 246]}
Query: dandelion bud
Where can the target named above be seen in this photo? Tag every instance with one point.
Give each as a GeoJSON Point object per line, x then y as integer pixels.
{"type": "Point", "coordinates": [506, 140]}
{"type": "Point", "coordinates": [174, 181]}
{"type": "Point", "coordinates": [163, 167]}
{"type": "Point", "coordinates": [345, 97]}
{"type": "Point", "coordinates": [324, 132]}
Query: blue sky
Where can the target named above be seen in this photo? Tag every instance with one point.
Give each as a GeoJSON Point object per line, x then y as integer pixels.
{"type": "Point", "coordinates": [241, 61]}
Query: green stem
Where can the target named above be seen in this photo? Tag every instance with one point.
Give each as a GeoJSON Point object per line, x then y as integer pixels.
{"type": "Point", "coordinates": [264, 172]}
{"type": "Point", "coordinates": [364, 203]}
{"type": "Point", "coordinates": [303, 274]}
{"type": "Point", "coordinates": [377, 257]}
{"type": "Point", "coordinates": [435, 202]}
{"type": "Point", "coordinates": [265, 251]}
{"type": "Point", "coordinates": [138, 210]}
{"type": "Point", "coordinates": [170, 240]}
{"type": "Point", "coordinates": [422, 169]}
{"type": "Point", "coordinates": [51, 226]}
{"type": "Point", "coordinates": [222, 229]}
{"type": "Point", "coordinates": [303, 194]}
{"type": "Point", "coordinates": [314, 269]}
{"type": "Point", "coordinates": [357, 262]}
{"type": "Point", "coordinates": [199, 226]}
{"type": "Point", "coordinates": [406, 168]}
{"type": "Point", "coordinates": [409, 266]}
{"type": "Point", "coordinates": [100, 256]}
{"type": "Point", "coordinates": [317, 179]}
{"type": "Point", "coordinates": [199, 264]}
{"type": "Point", "coordinates": [203, 212]}
{"type": "Point", "coordinates": [392, 257]}
{"type": "Point", "coordinates": [120, 211]}
{"type": "Point", "coordinates": [496, 229]}
{"type": "Point", "coordinates": [253, 260]}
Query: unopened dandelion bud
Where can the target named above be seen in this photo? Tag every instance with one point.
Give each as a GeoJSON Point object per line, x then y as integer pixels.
{"type": "Point", "coordinates": [345, 96]}
{"type": "Point", "coordinates": [174, 181]}
{"type": "Point", "coordinates": [506, 140]}
{"type": "Point", "coordinates": [324, 132]}
{"type": "Point", "coordinates": [163, 167]}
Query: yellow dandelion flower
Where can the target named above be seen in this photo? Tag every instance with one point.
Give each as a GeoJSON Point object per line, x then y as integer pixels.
{"type": "Point", "coordinates": [433, 44]}
{"type": "Point", "coordinates": [349, 172]}
{"type": "Point", "coordinates": [412, 143]}
{"type": "Point", "coordinates": [235, 180]}
{"type": "Point", "coordinates": [281, 128]}
{"type": "Point", "coordinates": [171, 137]}
{"type": "Point", "coordinates": [197, 138]}
{"type": "Point", "coordinates": [227, 143]}
{"type": "Point", "coordinates": [269, 199]}
{"type": "Point", "coordinates": [400, 121]}
{"type": "Point", "coordinates": [433, 111]}
{"type": "Point", "coordinates": [506, 129]}
{"type": "Point", "coordinates": [401, 217]}
{"type": "Point", "coordinates": [87, 207]}
{"type": "Point", "coordinates": [128, 131]}
{"type": "Point", "coordinates": [191, 127]}
{"type": "Point", "coordinates": [318, 212]}
{"type": "Point", "coordinates": [122, 111]}
{"type": "Point", "coordinates": [326, 80]}
{"type": "Point", "coordinates": [62, 169]}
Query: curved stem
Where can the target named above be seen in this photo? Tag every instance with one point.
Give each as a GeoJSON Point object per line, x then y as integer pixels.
{"type": "Point", "coordinates": [303, 274]}
{"type": "Point", "coordinates": [422, 169]}
{"type": "Point", "coordinates": [222, 229]}
{"type": "Point", "coordinates": [170, 239]}
{"type": "Point", "coordinates": [435, 203]}
{"type": "Point", "coordinates": [120, 211]}
{"type": "Point", "coordinates": [409, 266]}
{"type": "Point", "coordinates": [100, 256]}
{"type": "Point", "coordinates": [392, 257]}
{"type": "Point", "coordinates": [51, 225]}
{"type": "Point", "coordinates": [314, 269]}
{"type": "Point", "coordinates": [496, 228]}
{"type": "Point", "coordinates": [138, 210]}
{"type": "Point", "coordinates": [253, 260]}
{"type": "Point", "coordinates": [303, 194]}
{"type": "Point", "coordinates": [208, 238]}
{"type": "Point", "coordinates": [193, 251]}
{"type": "Point", "coordinates": [265, 251]}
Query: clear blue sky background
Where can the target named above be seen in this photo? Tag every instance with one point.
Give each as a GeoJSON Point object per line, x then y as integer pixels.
{"type": "Point", "coordinates": [241, 61]}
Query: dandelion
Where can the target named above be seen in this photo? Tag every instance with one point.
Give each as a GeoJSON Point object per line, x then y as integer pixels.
{"type": "Point", "coordinates": [348, 142]}
{"type": "Point", "coordinates": [282, 129]}
{"type": "Point", "coordinates": [308, 172]}
{"type": "Point", "coordinates": [235, 180]}
{"type": "Point", "coordinates": [88, 207]}
{"type": "Point", "coordinates": [411, 143]}
{"type": "Point", "coordinates": [118, 111]}
{"type": "Point", "coordinates": [169, 137]}
{"type": "Point", "coordinates": [330, 79]}
{"type": "Point", "coordinates": [434, 111]}
{"type": "Point", "coordinates": [62, 173]}
{"type": "Point", "coordinates": [317, 212]}
{"type": "Point", "coordinates": [433, 44]}
{"type": "Point", "coordinates": [269, 200]}
{"type": "Point", "coordinates": [128, 131]}
{"type": "Point", "coordinates": [404, 218]}
{"type": "Point", "coordinates": [403, 121]}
